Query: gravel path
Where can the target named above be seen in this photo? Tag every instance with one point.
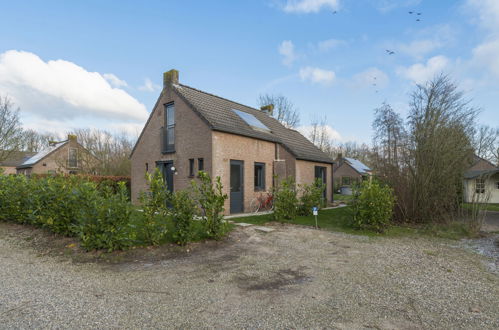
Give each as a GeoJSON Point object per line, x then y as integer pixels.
{"type": "Point", "coordinates": [291, 278]}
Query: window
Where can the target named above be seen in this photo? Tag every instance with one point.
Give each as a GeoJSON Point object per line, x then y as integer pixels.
{"type": "Point", "coordinates": [200, 164]}
{"type": "Point", "coordinates": [168, 131]}
{"type": "Point", "coordinates": [191, 167]}
{"type": "Point", "coordinates": [480, 186]}
{"type": "Point", "coordinates": [147, 167]}
{"type": "Point", "coordinates": [346, 181]}
{"type": "Point", "coordinates": [259, 176]}
{"type": "Point", "coordinates": [497, 184]}
{"type": "Point", "coordinates": [251, 120]}
{"type": "Point", "coordinates": [73, 157]}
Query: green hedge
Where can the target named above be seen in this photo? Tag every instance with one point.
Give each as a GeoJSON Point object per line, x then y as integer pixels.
{"type": "Point", "coordinates": [101, 215]}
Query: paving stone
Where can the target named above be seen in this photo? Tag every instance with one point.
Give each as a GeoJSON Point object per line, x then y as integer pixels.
{"type": "Point", "coordinates": [264, 229]}
{"type": "Point", "coordinates": [243, 224]}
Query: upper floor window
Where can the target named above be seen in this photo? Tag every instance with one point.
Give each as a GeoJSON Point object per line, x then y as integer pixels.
{"type": "Point", "coordinates": [168, 131]}
{"type": "Point", "coordinates": [259, 176]}
{"type": "Point", "coordinates": [73, 157]}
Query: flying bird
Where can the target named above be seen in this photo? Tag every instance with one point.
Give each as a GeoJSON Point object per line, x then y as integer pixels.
{"type": "Point", "coordinates": [418, 20]}
{"type": "Point", "coordinates": [389, 52]}
{"type": "Point", "coordinates": [335, 12]}
{"type": "Point", "coordinates": [419, 14]}
{"type": "Point", "coordinates": [411, 12]}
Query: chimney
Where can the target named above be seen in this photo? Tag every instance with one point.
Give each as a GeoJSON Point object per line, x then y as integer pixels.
{"type": "Point", "coordinates": [267, 109]}
{"type": "Point", "coordinates": [169, 78]}
{"type": "Point", "coordinates": [72, 137]}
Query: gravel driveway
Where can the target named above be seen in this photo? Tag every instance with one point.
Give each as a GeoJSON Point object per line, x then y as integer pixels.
{"type": "Point", "coordinates": [293, 277]}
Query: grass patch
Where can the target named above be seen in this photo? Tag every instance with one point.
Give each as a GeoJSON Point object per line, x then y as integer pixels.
{"type": "Point", "coordinates": [342, 198]}
{"type": "Point", "coordinates": [339, 219]}
{"type": "Point", "coordinates": [489, 207]}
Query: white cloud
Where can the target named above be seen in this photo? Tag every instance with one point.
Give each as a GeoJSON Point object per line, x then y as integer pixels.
{"type": "Point", "coordinates": [386, 6]}
{"type": "Point", "coordinates": [310, 6]}
{"type": "Point", "coordinates": [487, 55]}
{"type": "Point", "coordinates": [287, 50]}
{"type": "Point", "coordinates": [372, 77]}
{"type": "Point", "coordinates": [419, 48]}
{"type": "Point", "coordinates": [115, 81]}
{"type": "Point", "coordinates": [420, 73]}
{"type": "Point", "coordinates": [331, 132]}
{"type": "Point", "coordinates": [61, 89]}
{"type": "Point", "coordinates": [317, 75]}
{"type": "Point", "coordinates": [149, 86]}
{"type": "Point", "coordinates": [329, 44]}
{"type": "Point", "coordinates": [488, 13]}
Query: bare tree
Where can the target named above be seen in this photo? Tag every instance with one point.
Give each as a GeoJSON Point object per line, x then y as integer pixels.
{"type": "Point", "coordinates": [33, 141]}
{"type": "Point", "coordinates": [113, 151]}
{"type": "Point", "coordinates": [284, 109]}
{"type": "Point", "coordinates": [486, 143]}
{"type": "Point", "coordinates": [320, 136]}
{"type": "Point", "coordinates": [10, 128]}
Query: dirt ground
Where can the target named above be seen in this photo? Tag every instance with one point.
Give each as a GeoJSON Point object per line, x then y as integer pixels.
{"type": "Point", "coordinates": [294, 277]}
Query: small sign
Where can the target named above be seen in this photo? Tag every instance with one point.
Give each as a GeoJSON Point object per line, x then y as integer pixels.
{"type": "Point", "coordinates": [315, 210]}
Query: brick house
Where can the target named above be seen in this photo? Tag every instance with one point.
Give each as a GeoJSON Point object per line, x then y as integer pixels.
{"type": "Point", "coordinates": [481, 182]}
{"type": "Point", "coordinates": [191, 130]}
{"type": "Point", "coordinates": [14, 159]}
{"type": "Point", "coordinates": [66, 157]}
{"type": "Point", "coordinates": [348, 171]}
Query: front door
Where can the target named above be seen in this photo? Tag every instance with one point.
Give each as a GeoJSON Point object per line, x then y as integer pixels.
{"type": "Point", "coordinates": [236, 186]}
{"type": "Point", "coordinates": [320, 173]}
{"type": "Point", "coordinates": [167, 172]}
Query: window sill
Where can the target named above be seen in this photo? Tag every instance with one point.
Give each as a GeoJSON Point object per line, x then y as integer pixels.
{"type": "Point", "coordinates": [168, 152]}
{"type": "Point", "coordinates": [259, 189]}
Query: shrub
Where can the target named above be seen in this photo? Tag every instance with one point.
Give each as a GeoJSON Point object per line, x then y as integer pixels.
{"type": "Point", "coordinates": [15, 198]}
{"type": "Point", "coordinates": [183, 211]}
{"type": "Point", "coordinates": [311, 195]}
{"type": "Point", "coordinates": [155, 210]}
{"type": "Point", "coordinates": [285, 200]}
{"type": "Point", "coordinates": [372, 206]}
{"type": "Point", "coordinates": [211, 200]}
{"type": "Point", "coordinates": [104, 221]}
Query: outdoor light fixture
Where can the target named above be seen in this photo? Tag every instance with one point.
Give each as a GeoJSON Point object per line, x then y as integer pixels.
{"type": "Point", "coordinates": [173, 168]}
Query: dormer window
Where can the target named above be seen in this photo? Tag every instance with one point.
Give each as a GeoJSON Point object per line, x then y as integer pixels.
{"type": "Point", "coordinates": [168, 131]}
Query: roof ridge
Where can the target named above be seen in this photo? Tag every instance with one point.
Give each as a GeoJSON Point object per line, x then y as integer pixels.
{"type": "Point", "coordinates": [217, 96]}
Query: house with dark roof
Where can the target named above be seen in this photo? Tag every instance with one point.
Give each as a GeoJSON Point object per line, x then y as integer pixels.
{"type": "Point", "coordinates": [64, 157]}
{"type": "Point", "coordinates": [481, 182]}
{"type": "Point", "coordinates": [348, 171]}
{"type": "Point", "coordinates": [13, 160]}
{"type": "Point", "coordinates": [190, 130]}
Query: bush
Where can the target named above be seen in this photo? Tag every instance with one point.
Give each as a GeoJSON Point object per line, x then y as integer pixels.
{"type": "Point", "coordinates": [372, 206]}
{"type": "Point", "coordinates": [15, 199]}
{"type": "Point", "coordinates": [285, 200]}
{"type": "Point", "coordinates": [155, 210]}
{"type": "Point", "coordinates": [183, 211]}
{"type": "Point", "coordinates": [311, 195]}
{"type": "Point", "coordinates": [104, 221]}
{"type": "Point", "coordinates": [211, 200]}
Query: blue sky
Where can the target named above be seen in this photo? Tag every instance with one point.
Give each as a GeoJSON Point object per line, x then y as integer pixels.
{"type": "Point", "coordinates": [100, 63]}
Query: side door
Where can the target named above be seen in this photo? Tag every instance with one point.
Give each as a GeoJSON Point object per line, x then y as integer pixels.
{"type": "Point", "coordinates": [236, 186]}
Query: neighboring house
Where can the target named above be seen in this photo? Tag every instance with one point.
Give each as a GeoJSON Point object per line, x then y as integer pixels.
{"type": "Point", "coordinates": [348, 171]}
{"type": "Point", "coordinates": [67, 157]}
{"type": "Point", "coordinates": [191, 130]}
{"type": "Point", "coordinates": [15, 159]}
{"type": "Point", "coordinates": [481, 182]}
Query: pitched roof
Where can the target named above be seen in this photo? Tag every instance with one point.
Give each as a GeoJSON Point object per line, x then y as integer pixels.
{"type": "Point", "coordinates": [16, 158]}
{"type": "Point", "coordinates": [358, 165]}
{"type": "Point", "coordinates": [218, 113]}
{"type": "Point", "coordinates": [480, 173]}
{"type": "Point", "coordinates": [42, 154]}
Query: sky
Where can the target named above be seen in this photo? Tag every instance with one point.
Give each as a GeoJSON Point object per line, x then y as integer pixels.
{"type": "Point", "coordinates": [99, 64]}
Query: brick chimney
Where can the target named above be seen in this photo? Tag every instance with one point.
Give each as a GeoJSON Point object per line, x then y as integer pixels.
{"type": "Point", "coordinates": [267, 109]}
{"type": "Point", "coordinates": [169, 78]}
{"type": "Point", "coordinates": [72, 137]}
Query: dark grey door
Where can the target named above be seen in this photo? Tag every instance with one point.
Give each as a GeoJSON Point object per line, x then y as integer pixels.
{"type": "Point", "coordinates": [320, 173]}
{"type": "Point", "coordinates": [167, 172]}
{"type": "Point", "coordinates": [236, 186]}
